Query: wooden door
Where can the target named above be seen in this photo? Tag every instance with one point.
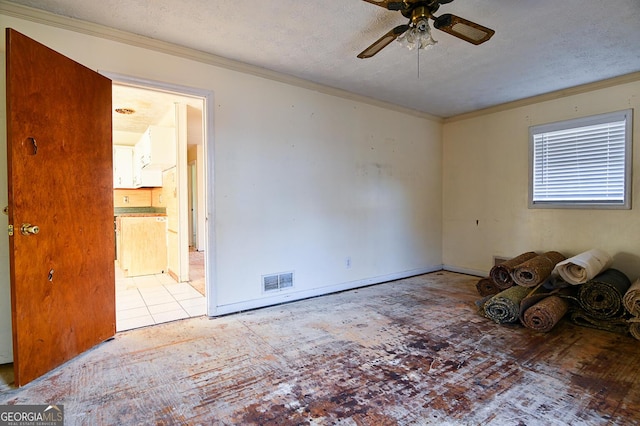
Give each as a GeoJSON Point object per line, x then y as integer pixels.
{"type": "Point", "coordinates": [61, 180]}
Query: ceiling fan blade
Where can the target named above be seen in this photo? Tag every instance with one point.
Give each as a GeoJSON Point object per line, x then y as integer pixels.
{"type": "Point", "coordinates": [390, 5]}
{"type": "Point", "coordinates": [463, 28]}
{"type": "Point", "coordinates": [383, 41]}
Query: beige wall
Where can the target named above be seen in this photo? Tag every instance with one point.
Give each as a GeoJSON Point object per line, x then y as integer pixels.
{"type": "Point", "coordinates": [302, 180]}
{"type": "Point", "coordinates": [485, 187]}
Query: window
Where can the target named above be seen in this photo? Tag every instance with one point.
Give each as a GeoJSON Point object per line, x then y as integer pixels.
{"type": "Point", "coordinates": [581, 163]}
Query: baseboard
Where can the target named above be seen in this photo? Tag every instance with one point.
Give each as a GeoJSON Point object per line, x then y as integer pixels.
{"type": "Point", "coordinates": [292, 297]}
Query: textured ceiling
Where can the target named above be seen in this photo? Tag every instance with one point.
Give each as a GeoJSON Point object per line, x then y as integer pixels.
{"type": "Point", "coordinates": [540, 46]}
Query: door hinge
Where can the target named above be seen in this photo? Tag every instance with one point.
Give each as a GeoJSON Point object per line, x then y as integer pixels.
{"type": "Point", "coordinates": [10, 228]}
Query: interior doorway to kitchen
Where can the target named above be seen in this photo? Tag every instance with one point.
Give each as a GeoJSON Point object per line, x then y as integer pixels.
{"type": "Point", "coordinates": [159, 145]}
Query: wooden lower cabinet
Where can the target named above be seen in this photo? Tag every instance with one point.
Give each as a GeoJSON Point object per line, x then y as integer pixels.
{"type": "Point", "coordinates": [142, 244]}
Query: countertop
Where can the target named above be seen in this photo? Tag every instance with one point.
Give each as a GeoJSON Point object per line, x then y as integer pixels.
{"type": "Point", "coordinates": [140, 211]}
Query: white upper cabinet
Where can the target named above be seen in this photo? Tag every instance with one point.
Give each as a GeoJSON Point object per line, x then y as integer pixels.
{"type": "Point", "coordinates": [142, 165]}
{"type": "Point", "coordinates": [143, 177]}
{"type": "Point", "coordinates": [157, 148]}
{"type": "Point", "coordinates": [122, 166]}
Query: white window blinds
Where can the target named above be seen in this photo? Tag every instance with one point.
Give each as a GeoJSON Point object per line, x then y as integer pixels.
{"type": "Point", "coordinates": [583, 162]}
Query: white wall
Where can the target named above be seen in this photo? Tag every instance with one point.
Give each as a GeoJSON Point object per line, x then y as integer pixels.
{"type": "Point", "coordinates": [302, 179]}
{"type": "Point", "coordinates": [485, 187]}
{"type": "Point", "coordinates": [329, 179]}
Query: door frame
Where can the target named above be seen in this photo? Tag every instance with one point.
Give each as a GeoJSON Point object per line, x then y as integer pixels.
{"type": "Point", "coordinates": [208, 163]}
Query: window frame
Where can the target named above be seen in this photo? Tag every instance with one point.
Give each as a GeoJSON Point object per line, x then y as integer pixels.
{"type": "Point", "coordinates": [575, 123]}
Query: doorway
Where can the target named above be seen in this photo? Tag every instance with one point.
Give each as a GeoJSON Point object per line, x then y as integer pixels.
{"type": "Point", "coordinates": [156, 217]}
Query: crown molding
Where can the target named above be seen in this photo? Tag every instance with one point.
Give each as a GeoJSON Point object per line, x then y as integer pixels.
{"type": "Point", "coordinates": [558, 94]}
{"type": "Point", "coordinates": [101, 31]}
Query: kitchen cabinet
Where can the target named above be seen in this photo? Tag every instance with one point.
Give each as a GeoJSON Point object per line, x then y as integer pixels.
{"type": "Point", "coordinates": [157, 198]}
{"type": "Point", "coordinates": [156, 149]}
{"type": "Point", "coordinates": [141, 166]}
{"type": "Point", "coordinates": [128, 171]}
{"type": "Point", "coordinates": [143, 177]}
{"type": "Point", "coordinates": [122, 166]}
{"type": "Point", "coordinates": [141, 244]}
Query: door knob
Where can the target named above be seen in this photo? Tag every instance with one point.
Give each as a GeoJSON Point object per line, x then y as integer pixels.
{"type": "Point", "coordinates": [29, 229]}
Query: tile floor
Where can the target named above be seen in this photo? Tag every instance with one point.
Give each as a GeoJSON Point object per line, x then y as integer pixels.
{"type": "Point", "coordinates": [154, 299]}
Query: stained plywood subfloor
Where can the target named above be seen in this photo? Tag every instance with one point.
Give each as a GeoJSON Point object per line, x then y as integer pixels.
{"type": "Point", "coordinates": [413, 351]}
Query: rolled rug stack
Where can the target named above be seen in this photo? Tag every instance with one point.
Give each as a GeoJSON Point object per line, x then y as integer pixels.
{"type": "Point", "coordinates": [584, 267]}
{"type": "Point", "coordinates": [634, 329]}
{"type": "Point", "coordinates": [504, 307]}
{"type": "Point", "coordinates": [543, 308]}
{"type": "Point", "coordinates": [486, 287]}
{"type": "Point", "coordinates": [545, 314]}
{"type": "Point", "coordinates": [539, 290]}
{"type": "Point", "coordinates": [536, 270]}
{"type": "Point", "coordinates": [501, 274]}
{"type": "Point", "coordinates": [600, 302]}
{"type": "Point", "coordinates": [555, 282]}
{"type": "Point", "coordinates": [601, 297]}
{"type": "Point", "coordinates": [617, 325]}
{"type": "Point", "coordinates": [631, 301]}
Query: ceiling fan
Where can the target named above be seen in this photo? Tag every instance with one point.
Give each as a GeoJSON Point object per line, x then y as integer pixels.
{"type": "Point", "coordinates": [419, 12]}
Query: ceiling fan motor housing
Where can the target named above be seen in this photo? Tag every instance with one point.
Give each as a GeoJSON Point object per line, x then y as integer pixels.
{"type": "Point", "coordinates": [420, 9]}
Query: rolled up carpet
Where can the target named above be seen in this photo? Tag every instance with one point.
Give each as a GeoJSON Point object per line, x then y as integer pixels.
{"type": "Point", "coordinates": [535, 295]}
{"type": "Point", "coordinates": [545, 314]}
{"type": "Point", "coordinates": [480, 303]}
{"type": "Point", "coordinates": [504, 307]}
{"type": "Point", "coordinates": [601, 297]}
{"type": "Point", "coordinates": [501, 274]}
{"type": "Point", "coordinates": [535, 271]}
{"type": "Point", "coordinates": [631, 299]}
{"type": "Point", "coordinates": [583, 267]}
{"type": "Point", "coordinates": [568, 294]}
{"type": "Point", "coordinates": [555, 282]}
{"type": "Point", "coordinates": [634, 329]}
{"type": "Point", "coordinates": [615, 325]}
{"type": "Point", "coordinates": [486, 287]}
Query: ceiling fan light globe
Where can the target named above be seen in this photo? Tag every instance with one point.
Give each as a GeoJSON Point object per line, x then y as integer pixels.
{"type": "Point", "coordinates": [426, 39]}
{"type": "Point", "coordinates": [409, 39]}
{"type": "Point", "coordinates": [406, 43]}
{"type": "Point", "coordinates": [427, 42]}
{"type": "Point", "coordinates": [415, 38]}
